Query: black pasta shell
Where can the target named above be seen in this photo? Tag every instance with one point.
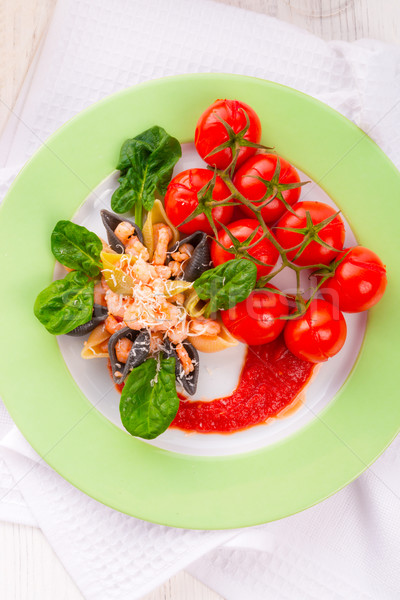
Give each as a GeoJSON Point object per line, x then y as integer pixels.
{"type": "Point", "coordinates": [138, 354]}
{"type": "Point", "coordinates": [99, 314]}
{"type": "Point", "coordinates": [111, 222]}
{"type": "Point", "coordinates": [189, 381]}
{"type": "Point", "coordinates": [200, 259]}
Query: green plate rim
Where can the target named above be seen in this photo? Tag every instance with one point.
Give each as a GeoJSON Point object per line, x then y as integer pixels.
{"type": "Point", "coordinates": [129, 474]}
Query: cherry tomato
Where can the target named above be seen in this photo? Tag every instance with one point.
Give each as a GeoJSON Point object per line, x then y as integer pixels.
{"type": "Point", "coordinates": [359, 281]}
{"type": "Point", "coordinates": [264, 251]}
{"type": "Point", "coordinates": [182, 199]}
{"type": "Point", "coordinates": [317, 335]}
{"type": "Point", "coordinates": [332, 234]}
{"type": "Point", "coordinates": [257, 320]}
{"type": "Point", "coordinates": [211, 132]}
{"type": "Point", "coordinates": [264, 166]}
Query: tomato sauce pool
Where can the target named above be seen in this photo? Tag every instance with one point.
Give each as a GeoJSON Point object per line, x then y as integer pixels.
{"type": "Point", "coordinates": [271, 378]}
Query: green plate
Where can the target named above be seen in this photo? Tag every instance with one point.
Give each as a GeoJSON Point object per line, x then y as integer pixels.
{"type": "Point", "coordinates": [129, 474]}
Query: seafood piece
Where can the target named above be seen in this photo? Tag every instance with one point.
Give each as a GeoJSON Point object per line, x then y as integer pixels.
{"type": "Point", "coordinates": [184, 253]}
{"type": "Point", "coordinates": [156, 341]}
{"type": "Point", "coordinates": [157, 215]}
{"type": "Point", "coordinates": [135, 248]}
{"type": "Point", "coordinates": [112, 325]}
{"type": "Point", "coordinates": [203, 326]}
{"type": "Point", "coordinates": [122, 349]}
{"type": "Point", "coordinates": [176, 268]}
{"type": "Point", "coordinates": [99, 293]}
{"type": "Point", "coordinates": [199, 260]}
{"type": "Point", "coordinates": [111, 222]}
{"type": "Point", "coordinates": [187, 380]}
{"type": "Point", "coordinates": [117, 303]}
{"type": "Point", "coordinates": [137, 354]}
{"type": "Point", "coordinates": [162, 235]}
{"type": "Point", "coordinates": [99, 314]}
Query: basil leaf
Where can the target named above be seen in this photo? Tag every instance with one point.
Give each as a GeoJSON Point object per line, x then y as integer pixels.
{"type": "Point", "coordinates": [226, 284]}
{"type": "Point", "coordinates": [146, 163]}
{"type": "Point", "coordinates": [65, 303]}
{"type": "Point", "coordinates": [149, 401]}
{"type": "Point", "coordinates": [76, 247]}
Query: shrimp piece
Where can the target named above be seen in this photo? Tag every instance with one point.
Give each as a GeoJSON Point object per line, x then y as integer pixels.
{"type": "Point", "coordinates": [99, 294]}
{"type": "Point", "coordinates": [156, 341]}
{"type": "Point", "coordinates": [104, 347]}
{"type": "Point", "coordinates": [162, 271]}
{"type": "Point", "coordinates": [112, 325]}
{"type": "Point", "coordinates": [124, 231]}
{"type": "Point", "coordinates": [202, 326]}
{"type": "Point", "coordinates": [178, 298]}
{"type": "Point", "coordinates": [122, 349]}
{"type": "Point", "coordinates": [158, 286]}
{"type": "Point", "coordinates": [142, 270]}
{"type": "Point", "coordinates": [116, 303]}
{"type": "Point", "coordinates": [184, 252]}
{"type": "Point", "coordinates": [178, 333]}
{"type": "Point", "coordinates": [136, 248]}
{"type": "Point", "coordinates": [184, 358]}
{"type": "Point", "coordinates": [176, 268]}
{"type": "Point", "coordinates": [167, 315]}
{"type": "Point", "coordinates": [133, 316]}
{"type": "Point", "coordinates": [162, 236]}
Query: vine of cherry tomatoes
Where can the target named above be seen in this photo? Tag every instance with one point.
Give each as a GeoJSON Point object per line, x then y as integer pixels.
{"type": "Point", "coordinates": [245, 175]}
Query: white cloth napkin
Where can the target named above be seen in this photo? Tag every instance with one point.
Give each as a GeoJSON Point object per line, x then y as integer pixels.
{"type": "Point", "coordinates": [348, 546]}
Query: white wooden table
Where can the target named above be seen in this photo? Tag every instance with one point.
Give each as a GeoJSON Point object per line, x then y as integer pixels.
{"type": "Point", "coordinates": [29, 569]}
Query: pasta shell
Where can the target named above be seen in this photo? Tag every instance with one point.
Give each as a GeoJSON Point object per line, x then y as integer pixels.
{"type": "Point", "coordinates": [91, 348]}
{"type": "Point", "coordinates": [138, 354]}
{"type": "Point", "coordinates": [213, 343]}
{"type": "Point", "coordinates": [200, 259]}
{"type": "Point", "coordinates": [194, 306]}
{"type": "Point", "coordinates": [157, 215]}
{"type": "Point", "coordinates": [111, 222]}
{"type": "Point", "coordinates": [117, 280]}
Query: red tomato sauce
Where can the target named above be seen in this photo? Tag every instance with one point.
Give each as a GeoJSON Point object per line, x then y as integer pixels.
{"type": "Point", "coordinates": [271, 378]}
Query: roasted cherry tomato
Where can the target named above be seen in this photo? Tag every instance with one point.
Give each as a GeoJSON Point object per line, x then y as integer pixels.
{"type": "Point", "coordinates": [257, 320]}
{"type": "Point", "coordinates": [264, 166]}
{"type": "Point", "coordinates": [312, 227]}
{"type": "Point", "coordinates": [264, 251]}
{"type": "Point", "coordinates": [317, 335]}
{"type": "Point", "coordinates": [211, 132]}
{"type": "Point", "coordinates": [182, 198]}
{"type": "Point", "coordinates": [359, 280]}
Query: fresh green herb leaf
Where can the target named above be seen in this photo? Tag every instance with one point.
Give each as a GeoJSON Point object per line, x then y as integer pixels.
{"type": "Point", "coordinates": [65, 303]}
{"type": "Point", "coordinates": [226, 284]}
{"type": "Point", "coordinates": [146, 163]}
{"type": "Point", "coordinates": [76, 247]}
{"type": "Point", "coordinates": [149, 401]}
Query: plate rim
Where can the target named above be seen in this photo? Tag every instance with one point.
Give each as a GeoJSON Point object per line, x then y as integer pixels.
{"type": "Point", "coordinates": [208, 508]}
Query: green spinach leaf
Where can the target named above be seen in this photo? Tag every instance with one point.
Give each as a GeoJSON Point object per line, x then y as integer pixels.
{"type": "Point", "coordinates": [226, 284]}
{"type": "Point", "coordinates": [149, 401]}
{"type": "Point", "coordinates": [65, 303]}
{"type": "Point", "coordinates": [76, 247]}
{"type": "Point", "coordinates": [146, 163]}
